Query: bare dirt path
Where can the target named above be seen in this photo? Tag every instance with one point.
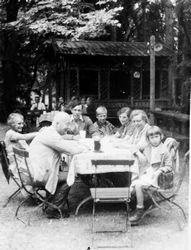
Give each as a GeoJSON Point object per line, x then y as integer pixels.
{"type": "Point", "coordinates": [158, 230]}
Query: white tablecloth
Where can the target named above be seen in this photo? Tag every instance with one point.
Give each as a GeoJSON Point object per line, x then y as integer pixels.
{"type": "Point", "coordinates": [81, 163]}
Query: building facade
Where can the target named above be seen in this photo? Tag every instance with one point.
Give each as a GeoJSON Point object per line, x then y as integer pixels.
{"type": "Point", "coordinates": [116, 74]}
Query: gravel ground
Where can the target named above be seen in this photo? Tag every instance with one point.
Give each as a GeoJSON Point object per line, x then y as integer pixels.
{"type": "Point", "coordinates": [157, 231]}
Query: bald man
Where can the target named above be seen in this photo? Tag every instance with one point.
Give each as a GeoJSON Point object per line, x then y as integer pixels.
{"type": "Point", "coordinates": [45, 157]}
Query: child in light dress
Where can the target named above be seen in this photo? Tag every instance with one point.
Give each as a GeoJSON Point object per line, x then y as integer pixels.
{"type": "Point", "coordinates": [155, 158]}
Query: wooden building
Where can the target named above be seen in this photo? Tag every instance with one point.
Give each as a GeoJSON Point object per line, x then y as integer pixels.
{"type": "Point", "coordinates": [116, 74]}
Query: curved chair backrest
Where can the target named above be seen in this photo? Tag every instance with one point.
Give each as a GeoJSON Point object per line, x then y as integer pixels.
{"type": "Point", "coordinates": [4, 161]}
{"type": "Point", "coordinates": [179, 168]}
{"type": "Point", "coordinates": [23, 167]}
{"type": "Point", "coordinates": [173, 147]}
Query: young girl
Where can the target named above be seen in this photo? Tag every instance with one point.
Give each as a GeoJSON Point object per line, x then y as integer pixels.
{"type": "Point", "coordinates": [156, 159]}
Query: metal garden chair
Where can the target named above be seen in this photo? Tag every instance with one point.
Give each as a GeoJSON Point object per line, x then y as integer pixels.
{"type": "Point", "coordinates": [7, 172]}
{"type": "Point", "coordinates": [112, 195]}
{"type": "Point", "coordinates": [37, 190]}
{"type": "Point", "coordinates": [163, 197]}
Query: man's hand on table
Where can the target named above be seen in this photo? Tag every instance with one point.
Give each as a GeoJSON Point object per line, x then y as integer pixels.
{"type": "Point", "coordinates": [77, 137]}
{"type": "Point", "coordinates": [83, 143]}
{"type": "Point", "coordinates": [71, 137]}
{"type": "Point", "coordinates": [86, 148]}
{"type": "Point", "coordinates": [121, 143]}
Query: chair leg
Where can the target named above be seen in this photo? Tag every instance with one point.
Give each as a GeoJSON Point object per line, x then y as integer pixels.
{"type": "Point", "coordinates": [128, 224]}
{"type": "Point", "coordinates": [170, 203]}
{"type": "Point", "coordinates": [12, 196]}
{"type": "Point", "coordinates": [36, 208]}
{"type": "Point", "coordinates": [55, 207]}
{"type": "Point", "coordinates": [68, 206]}
{"type": "Point", "coordinates": [175, 204]}
{"type": "Point", "coordinates": [45, 203]}
{"type": "Point", "coordinates": [152, 207]}
{"type": "Point", "coordinates": [81, 203]}
{"type": "Point", "coordinates": [176, 218]}
{"type": "Point", "coordinates": [93, 226]}
{"type": "Point", "coordinates": [93, 217]}
{"type": "Point", "coordinates": [21, 203]}
{"type": "Point", "coordinates": [158, 206]}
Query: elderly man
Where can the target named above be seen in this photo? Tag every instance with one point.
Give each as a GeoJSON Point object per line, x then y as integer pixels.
{"type": "Point", "coordinates": [45, 157]}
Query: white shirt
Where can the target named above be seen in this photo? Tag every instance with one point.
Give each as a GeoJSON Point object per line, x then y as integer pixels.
{"type": "Point", "coordinates": [38, 106]}
{"type": "Point", "coordinates": [45, 156]}
{"type": "Point", "coordinates": [72, 118]}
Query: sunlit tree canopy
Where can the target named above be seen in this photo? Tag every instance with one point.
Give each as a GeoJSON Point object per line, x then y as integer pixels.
{"type": "Point", "coordinates": [71, 19]}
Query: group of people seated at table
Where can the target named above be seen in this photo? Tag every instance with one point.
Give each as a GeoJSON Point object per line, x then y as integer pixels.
{"type": "Point", "coordinates": [135, 134]}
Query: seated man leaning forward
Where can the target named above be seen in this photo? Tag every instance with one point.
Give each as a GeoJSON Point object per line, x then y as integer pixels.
{"type": "Point", "coordinates": [102, 127]}
{"type": "Point", "coordinates": [157, 159]}
{"type": "Point", "coordinates": [45, 157]}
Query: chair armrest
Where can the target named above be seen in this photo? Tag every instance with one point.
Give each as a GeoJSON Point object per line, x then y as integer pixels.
{"type": "Point", "coordinates": [165, 180]}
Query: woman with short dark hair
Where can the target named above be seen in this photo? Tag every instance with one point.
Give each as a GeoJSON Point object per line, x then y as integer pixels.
{"type": "Point", "coordinates": [126, 127]}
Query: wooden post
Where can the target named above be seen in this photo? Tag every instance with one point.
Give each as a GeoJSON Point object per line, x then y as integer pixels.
{"type": "Point", "coordinates": [60, 79]}
{"type": "Point", "coordinates": [62, 84]}
{"type": "Point", "coordinates": [78, 82]}
{"type": "Point", "coordinates": [171, 82]}
{"type": "Point", "coordinates": [152, 77]}
{"type": "Point", "coordinates": [99, 84]}
{"type": "Point", "coordinates": [50, 94]}
{"type": "Point", "coordinates": [132, 89]}
{"type": "Point", "coordinates": [67, 87]}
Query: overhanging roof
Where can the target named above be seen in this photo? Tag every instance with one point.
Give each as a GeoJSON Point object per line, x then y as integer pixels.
{"type": "Point", "coordinates": [107, 48]}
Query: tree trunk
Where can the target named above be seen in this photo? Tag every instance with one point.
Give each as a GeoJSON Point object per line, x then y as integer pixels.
{"type": "Point", "coordinates": [169, 20]}
{"type": "Point", "coordinates": [185, 58]}
{"type": "Point", "coordinates": [8, 69]}
{"type": "Point", "coordinates": [169, 41]}
{"type": "Point", "coordinates": [2, 106]}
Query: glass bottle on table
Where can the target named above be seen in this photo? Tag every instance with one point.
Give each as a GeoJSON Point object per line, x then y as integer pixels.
{"type": "Point", "coordinates": [97, 144]}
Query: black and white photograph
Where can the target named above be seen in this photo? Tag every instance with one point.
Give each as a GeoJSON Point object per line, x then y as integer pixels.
{"type": "Point", "coordinates": [94, 124]}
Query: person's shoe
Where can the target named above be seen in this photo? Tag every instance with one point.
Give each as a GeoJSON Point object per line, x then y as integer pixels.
{"type": "Point", "coordinates": [65, 214]}
{"type": "Point", "coordinates": [54, 214]}
{"type": "Point", "coordinates": [136, 217]}
{"type": "Point", "coordinates": [133, 204]}
{"type": "Point", "coordinates": [148, 203]}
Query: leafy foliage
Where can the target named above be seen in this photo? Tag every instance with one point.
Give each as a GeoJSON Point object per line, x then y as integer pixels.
{"type": "Point", "coordinates": [27, 24]}
{"type": "Point", "coordinates": [70, 19]}
{"type": "Point", "coordinates": [183, 11]}
{"type": "Point", "coordinates": [137, 20]}
{"type": "Point", "coordinates": [32, 22]}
